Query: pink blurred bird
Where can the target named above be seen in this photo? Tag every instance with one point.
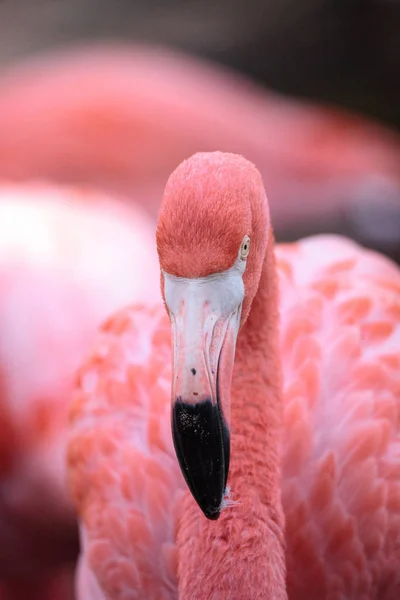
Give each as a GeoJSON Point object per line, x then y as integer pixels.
{"type": "Point", "coordinates": [68, 257]}
{"type": "Point", "coordinates": [301, 340]}
{"type": "Point", "coordinates": [123, 116]}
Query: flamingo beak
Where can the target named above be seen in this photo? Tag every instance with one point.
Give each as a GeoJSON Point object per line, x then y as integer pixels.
{"type": "Point", "coordinates": [205, 318]}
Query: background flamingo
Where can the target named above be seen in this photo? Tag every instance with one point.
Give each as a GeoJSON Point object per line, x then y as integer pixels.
{"type": "Point", "coordinates": [67, 258]}
{"type": "Point", "coordinates": [123, 116]}
{"type": "Point", "coordinates": [141, 534]}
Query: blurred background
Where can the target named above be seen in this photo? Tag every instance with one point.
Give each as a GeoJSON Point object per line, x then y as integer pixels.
{"type": "Point", "coordinates": [339, 51]}
{"type": "Point", "coordinates": [338, 54]}
{"type": "Point", "coordinates": [99, 102]}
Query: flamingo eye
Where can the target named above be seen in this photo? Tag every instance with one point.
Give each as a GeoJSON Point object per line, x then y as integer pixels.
{"type": "Point", "coordinates": [245, 247]}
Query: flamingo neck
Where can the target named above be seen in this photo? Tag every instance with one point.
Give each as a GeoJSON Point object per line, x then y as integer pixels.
{"type": "Point", "coordinates": [242, 554]}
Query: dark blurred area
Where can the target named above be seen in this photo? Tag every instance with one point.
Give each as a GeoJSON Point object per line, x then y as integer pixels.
{"type": "Point", "coordinates": [344, 52]}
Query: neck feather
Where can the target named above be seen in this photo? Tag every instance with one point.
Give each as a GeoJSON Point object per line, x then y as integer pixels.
{"type": "Point", "coordinates": [242, 554]}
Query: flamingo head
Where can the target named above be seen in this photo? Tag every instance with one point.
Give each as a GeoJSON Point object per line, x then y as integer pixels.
{"type": "Point", "coordinates": [211, 238]}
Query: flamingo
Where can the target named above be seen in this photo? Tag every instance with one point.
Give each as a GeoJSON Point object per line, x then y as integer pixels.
{"type": "Point", "coordinates": [122, 116]}
{"type": "Point", "coordinates": [67, 258]}
{"type": "Point", "coordinates": [269, 467]}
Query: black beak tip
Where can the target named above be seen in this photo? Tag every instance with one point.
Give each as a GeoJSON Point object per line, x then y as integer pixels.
{"type": "Point", "coordinates": [212, 515]}
{"type": "Point", "coordinates": [202, 445]}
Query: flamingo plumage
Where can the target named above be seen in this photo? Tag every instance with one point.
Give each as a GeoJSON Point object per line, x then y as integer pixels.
{"type": "Point", "coordinates": [311, 412]}
{"type": "Point", "coordinates": [67, 258]}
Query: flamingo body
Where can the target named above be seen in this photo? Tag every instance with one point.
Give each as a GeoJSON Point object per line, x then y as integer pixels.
{"type": "Point", "coordinates": [340, 343]}
{"type": "Point", "coordinates": [340, 340]}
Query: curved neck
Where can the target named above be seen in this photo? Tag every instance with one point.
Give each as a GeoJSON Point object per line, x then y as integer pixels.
{"type": "Point", "coordinates": [244, 549]}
